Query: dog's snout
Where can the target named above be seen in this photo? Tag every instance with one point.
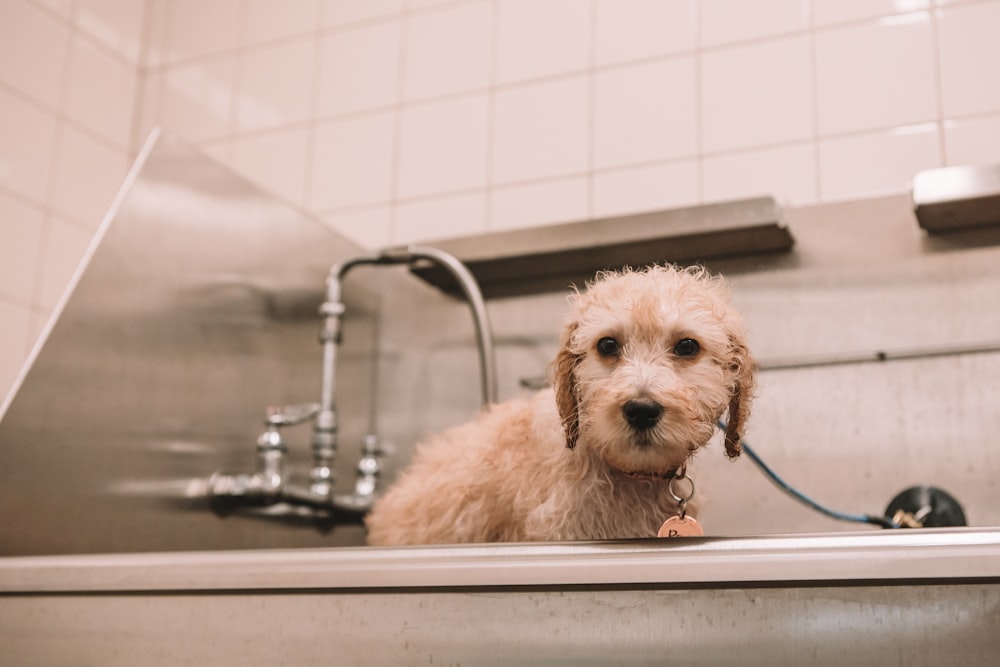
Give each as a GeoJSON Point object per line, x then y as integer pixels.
{"type": "Point", "coordinates": [642, 415]}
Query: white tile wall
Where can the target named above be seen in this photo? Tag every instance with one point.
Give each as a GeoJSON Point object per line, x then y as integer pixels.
{"type": "Point", "coordinates": [359, 68]}
{"type": "Point", "coordinates": [448, 51]}
{"type": "Point", "coordinates": [645, 113]}
{"type": "Point", "coordinates": [537, 39]}
{"type": "Point", "coordinates": [352, 162]}
{"type": "Point", "coordinates": [68, 74]}
{"type": "Point", "coordinates": [96, 85]}
{"type": "Point", "coordinates": [757, 94]}
{"type": "Point", "coordinates": [876, 164]}
{"type": "Point", "coordinates": [630, 30]}
{"type": "Point", "coordinates": [874, 74]}
{"type": "Point", "coordinates": [540, 130]}
{"type": "Point", "coordinates": [399, 120]}
{"type": "Point", "coordinates": [275, 84]}
{"type": "Point", "coordinates": [443, 146]}
{"type": "Point", "coordinates": [970, 52]}
{"type": "Point", "coordinates": [28, 34]}
{"type": "Point", "coordinates": [728, 21]}
{"type": "Point", "coordinates": [788, 171]}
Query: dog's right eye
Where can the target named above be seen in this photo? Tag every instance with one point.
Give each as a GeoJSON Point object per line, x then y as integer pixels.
{"type": "Point", "coordinates": [608, 347]}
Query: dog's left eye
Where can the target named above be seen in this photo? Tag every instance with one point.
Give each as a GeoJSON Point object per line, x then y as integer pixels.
{"type": "Point", "coordinates": [608, 347]}
{"type": "Point", "coordinates": [686, 347]}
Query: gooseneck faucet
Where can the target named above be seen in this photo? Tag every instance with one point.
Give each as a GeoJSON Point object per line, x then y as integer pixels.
{"type": "Point", "coordinates": [269, 484]}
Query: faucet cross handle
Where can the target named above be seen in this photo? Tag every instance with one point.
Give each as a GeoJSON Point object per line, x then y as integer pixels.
{"type": "Point", "coordinates": [290, 415]}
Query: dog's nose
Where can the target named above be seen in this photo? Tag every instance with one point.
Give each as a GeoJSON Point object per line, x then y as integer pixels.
{"type": "Point", "coordinates": [642, 415]}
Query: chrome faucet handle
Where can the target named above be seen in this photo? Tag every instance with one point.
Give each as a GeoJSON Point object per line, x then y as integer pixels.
{"type": "Point", "coordinates": [290, 415]}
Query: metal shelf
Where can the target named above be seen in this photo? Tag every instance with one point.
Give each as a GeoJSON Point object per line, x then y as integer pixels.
{"type": "Point", "coordinates": [551, 258]}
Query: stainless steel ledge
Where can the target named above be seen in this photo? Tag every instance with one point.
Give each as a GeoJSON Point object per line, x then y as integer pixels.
{"type": "Point", "coordinates": [933, 556]}
{"type": "Point", "coordinates": [551, 258]}
{"type": "Point", "coordinates": [957, 198]}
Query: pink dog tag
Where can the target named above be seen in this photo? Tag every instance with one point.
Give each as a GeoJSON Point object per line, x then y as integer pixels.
{"type": "Point", "coordinates": [678, 526]}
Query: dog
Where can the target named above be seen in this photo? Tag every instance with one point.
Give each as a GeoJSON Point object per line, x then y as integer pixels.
{"type": "Point", "coordinates": [649, 361]}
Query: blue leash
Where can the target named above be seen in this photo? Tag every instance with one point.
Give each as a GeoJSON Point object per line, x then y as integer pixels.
{"type": "Point", "coordinates": [806, 500]}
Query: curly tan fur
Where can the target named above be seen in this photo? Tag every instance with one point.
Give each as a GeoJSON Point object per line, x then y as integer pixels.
{"type": "Point", "coordinates": [567, 464]}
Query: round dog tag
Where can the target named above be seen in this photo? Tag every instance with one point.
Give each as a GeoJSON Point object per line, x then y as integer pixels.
{"type": "Point", "coordinates": [677, 526]}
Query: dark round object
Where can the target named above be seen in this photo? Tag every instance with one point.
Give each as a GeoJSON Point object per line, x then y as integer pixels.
{"type": "Point", "coordinates": [934, 507]}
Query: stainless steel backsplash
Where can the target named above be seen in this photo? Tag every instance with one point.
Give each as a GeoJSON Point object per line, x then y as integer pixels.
{"type": "Point", "coordinates": [197, 310]}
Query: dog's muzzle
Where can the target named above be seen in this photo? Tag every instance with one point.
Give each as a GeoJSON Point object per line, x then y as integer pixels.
{"type": "Point", "coordinates": [642, 415]}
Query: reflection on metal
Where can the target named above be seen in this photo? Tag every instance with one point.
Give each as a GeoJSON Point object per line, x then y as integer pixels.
{"type": "Point", "coordinates": [270, 484]}
{"type": "Point", "coordinates": [952, 198]}
{"type": "Point", "coordinates": [196, 308]}
{"type": "Point", "coordinates": [546, 259]}
{"type": "Point", "coordinates": [933, 555]}
{"type": "Point", "coordinates": [921, 598]}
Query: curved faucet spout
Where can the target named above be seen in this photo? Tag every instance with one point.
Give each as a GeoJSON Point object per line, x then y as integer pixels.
{"type": "Point", "coordinates": [269, 485]}
{"type": "Point", "coordinates": [470, 288]}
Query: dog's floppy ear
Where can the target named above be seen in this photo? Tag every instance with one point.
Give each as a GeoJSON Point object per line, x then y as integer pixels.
{"type": "Point", "coordinates": [743, 368]}
{"type": "Point", "coordinates": [564, 384]}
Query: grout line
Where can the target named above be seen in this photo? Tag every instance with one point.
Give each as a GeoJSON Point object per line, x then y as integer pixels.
{"type": "Point", "coordinates": [62, 118]}
{"type": "Point", "coordinates": [491, 101]}
{"type": "Point", "coordinates": [55, 150]}
{"type": "Point", "coordinates": [397, 127]}
{"type": "Point", "coordinates": [312, 123]}
{"type": "Point", "coordinates": [935, 14]}
{"type": "Point", "coordinates": [592, 111]}
{"type": "Point", "coordinates": [699, 110]}
{"type": "Point", "coordinates": [814, 103]}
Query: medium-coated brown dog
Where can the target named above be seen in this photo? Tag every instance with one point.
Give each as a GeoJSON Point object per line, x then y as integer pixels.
{"type": "Point", "coordinates": [649, 361]}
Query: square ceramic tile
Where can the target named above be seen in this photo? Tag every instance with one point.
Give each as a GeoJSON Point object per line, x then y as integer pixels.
{"type": "Point", "coordinates": [268, 20]}
{"type": "Point", "coordinates": [969, 50]}
{"type": "Point", "coordinates": [644, 113]}
{"type": "Point", "coordinates": [359, 68]}
{"type": "Point", "coordinates": [756, 95]}
{"type": "Point", "coordinates": [86, 177]}
{"type": "Point", "coordinates": [876, 164]}
{"type": "Point", "coordinates": [540, 130]}
{"type": "Point", "coordinates": [183, 30]}
{"type": "Point", "coordinates": [21, 234]}
{"type": "Point", "coordinates": [352, 162]}
{"type": "Point", "coordinates": [635, 29]}
{"type": "Point", "coordinates": [192, 101]}
{"type": "Point", "coordinates": [275, 84]}
{"type": "Point", "coordinates": [787, 173]}
{"type": "Point", "coordinates": [442, 146]}
{"type": "Point", "coordinates": [15, 321]}
{"type": "Point", "coordinates": [276, 161]}
{"type": "Point", "coordinates": [368, 227]}
{"type": "Point", "coordinates": [656, 188]}
{"type": "Point", "coordinates": [341, 12]}
{"type": "Point", "coordinates": [65, 246]}
{"type": "Point", "coordinates": [32, 51]}
{"type": "Point", "coordinates": [116, 24]}
{"type": "Point", "coordinates": [972, 141]}
{"type": "Point", "coordinates": [727, 21]}
{"type": "Point", "coordinates": [100, 92]}
{"type": "Point", "coordinates": [440, 218]}
{"type": "Point", "coordinates": [448, 50]}
{"type": "Point", "coordinates": [26, 135]}
{"type": "Point", "coordinates": [827, 12]}
{"type": "Point", "coordinates": [537, 38]}
{"type": "Point", "coordinates": [543, 203]}
{"type": "Point", "coordinates": [875, 75]}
